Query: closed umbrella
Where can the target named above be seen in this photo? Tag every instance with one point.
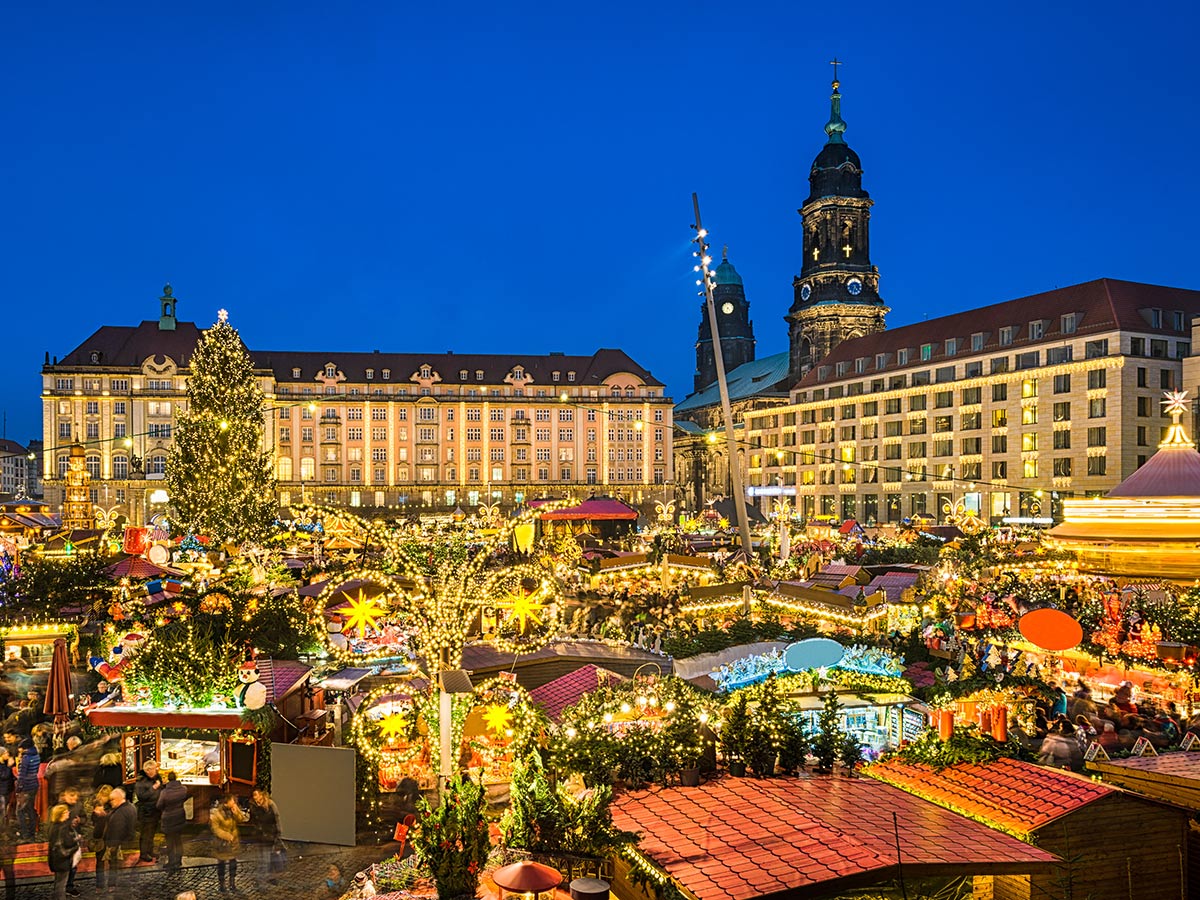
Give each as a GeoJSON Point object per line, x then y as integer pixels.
{"type": "Point", "coordinates": [58, 690]}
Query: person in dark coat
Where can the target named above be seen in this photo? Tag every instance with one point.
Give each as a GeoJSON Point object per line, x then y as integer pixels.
{"type": "Point", "coordinates": [146, 789]}
{"type": "Point", "coordinates": [27, 790]}
{"type": "Point", "coordinates": [109, 772]}
{"type": "Point", "coordinates": [62, 844]}
{"type": "Point", "coordinates": [75, 816]}
{"type": "Point", "coordinates": [118, 831]}
{"type": "Point", "coordinates": [170, 806]}
{"type": "Point", "coordinates": [264, 817]}
{"type": "Point", "coordinates": [100, 811]}
{"type": "Point", "coordinates": [8, 781]}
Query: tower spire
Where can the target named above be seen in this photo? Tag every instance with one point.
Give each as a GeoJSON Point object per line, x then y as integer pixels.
{"type": "Point", "coordinates": [835, 127]}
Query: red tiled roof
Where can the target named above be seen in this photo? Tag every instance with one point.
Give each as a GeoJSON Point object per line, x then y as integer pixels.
{"type": "Point", "coordinates": [1171, 472]}
{"type": "Point", "coordinates": [1015, 796]}
{"type": "Point", "coordinates": [893, 586]}
{"type": "Point", "coordinates": [280, 676]}
{"type": "Point", "coordinates": [557, 695]}
{"type": "Point", "coordinates": [738, 838]}
{"type": "Point", "coordinates": [1099, 306]}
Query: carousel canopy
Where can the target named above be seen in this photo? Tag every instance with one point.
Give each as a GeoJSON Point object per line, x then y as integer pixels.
{"type": "Point", "coordinates": [594, 508]}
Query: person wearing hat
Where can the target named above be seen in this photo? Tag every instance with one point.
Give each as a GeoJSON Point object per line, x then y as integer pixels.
{"type": "Point", "coordinates": [362, 887]}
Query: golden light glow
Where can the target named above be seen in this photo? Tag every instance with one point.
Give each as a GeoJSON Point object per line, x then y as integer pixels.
{"type": "Point", "coordinates": [363, 613]}
{"type": "Point", "coordinates": [497, 718]}
{"type": "Point", "coordinates": [525, 608]}
{"type": "Point", "coordinates": [393, 726]}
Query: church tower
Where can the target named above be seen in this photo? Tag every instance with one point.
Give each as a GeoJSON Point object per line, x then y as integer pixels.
{"type": "Point", "coordinates": [733, 321]}
{"type": "Point", "coordinates": [836, 294]}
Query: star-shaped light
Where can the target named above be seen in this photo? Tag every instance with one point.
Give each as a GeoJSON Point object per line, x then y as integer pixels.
{"type": "Point", "coordinates": [497, 718]}
{"type": "Point", "coordinates": [1175, 402]}
{"type": "Point", "coordinates": [526, 608]}
{"type": "Point", "coordinates": [363, 613]}
{"type": "Point", "coordinates": [222, 315]}
{"type": "Point", "coordinates": [393, 726]}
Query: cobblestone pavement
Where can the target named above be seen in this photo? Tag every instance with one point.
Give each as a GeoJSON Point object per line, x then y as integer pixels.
{"type": "Point", "coordinates": [304, 878]}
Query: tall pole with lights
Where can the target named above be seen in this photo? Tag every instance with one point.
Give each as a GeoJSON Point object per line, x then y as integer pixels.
{"type": "Point", "coordinates": [735, 465]}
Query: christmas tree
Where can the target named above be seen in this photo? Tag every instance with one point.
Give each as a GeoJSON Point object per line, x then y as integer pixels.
{"type": "Point", "coordinates": [828, 742]}
{"type": "Point", "coordinates": [218, 476]}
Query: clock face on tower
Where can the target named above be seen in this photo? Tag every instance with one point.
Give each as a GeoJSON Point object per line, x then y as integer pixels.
{"type": "Point", "coordinates": [854, 286]}
{"type": "Point", "coordinates": [805, 292]}
{"type": "Point", "coordinates": [727, 308]}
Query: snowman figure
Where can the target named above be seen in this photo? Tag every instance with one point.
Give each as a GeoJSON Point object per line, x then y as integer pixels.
{"type": "Point", "coordinates": [333, 633]}
{"type": "Point", "coordinates": [250, 694]}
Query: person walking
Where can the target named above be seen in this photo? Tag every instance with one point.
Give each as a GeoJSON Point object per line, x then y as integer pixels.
{"type": "Point", "coordinates": [27, 790]}
{"type": "Point", "coordinates": [63, 848]}
{"type": "Point", "coordinates": [224, 823]}
{"type": "Point", "coordinates": [118, 831]}
{"type": "Point", "coordinates": [109, 771]}
{"type": "Point", "coordinates": [146, 790]}
{"type": "Point", "coordinates": [70, 799]}
{"type": "Point", "coordinates": [264, 816]}
{"type": "Point", "coordinates": [170, 807]}
{"type": "Point", "coordinates": [100, 810]}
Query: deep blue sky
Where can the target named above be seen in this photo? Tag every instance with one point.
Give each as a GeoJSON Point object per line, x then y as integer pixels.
{"type": "Point", "coordinates": [508, 176]}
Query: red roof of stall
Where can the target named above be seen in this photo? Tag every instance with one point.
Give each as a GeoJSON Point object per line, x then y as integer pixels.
{"type": "Point", "coordinates": [594, 508]}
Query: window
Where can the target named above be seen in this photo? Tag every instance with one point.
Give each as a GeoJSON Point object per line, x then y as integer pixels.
{"type": "Point", "coordinates": [1068, 323]}
{"type": "Point", "coordinates": [977, 341]}
{"type": "Point", "coordinates": [972, 396]}
{"type": "Point", "coordinates": [1036, 329]}
{"type": "Point", "coordinates": [971, 421]}
{"type": "Point", "coordinates": [1000, 470]}
{"type": "Point", "coordinates": [943, 399]}
{"type": "Point", "coordinates": [119, 385]}
{"type": "Point", "coordinates": [1029, 415]}
{"type": "Point", "coordinates": [1006, 335]}
{"type": "Point", "coordinates": [155, 430]}
{"type": "Point", "coordinates": [890, 429]}
{"type": "Point", "coordinates": [379, 434]}
{"type": "Point", "coordinates": [1062, 411]}
{"type": "Point", "coordinates": [1097, 465]}
{"type": "Point", "coordinates": [920, 378]}
{"type": "Point", "coordinates": [999, 418]}
{"type": "Point", "coordinates": [1137, 346]}
{"type": "Point", "coordinates": [1029, 468]}
{"type": "Point", "coordinates": [1029, 441]}
{"type": "Point", "coordinates": [943, 423]}
{"type": "Point", "coordinates": [156, 465]}
{"type": "Point", "coordinates": [1029, 388]}
{"type": "Point", "coordinates": [1097, 437]}
{"type": "Point", "coordinates": [999, 443]}
{"type": "Point", "coordinates": [474, 434]}
{"type": "Point", "coordinates": [891, 451]}
{"type": "Point", "coordinates": [917, 402]}
{"type": "Point", "coordinates": [1029, 360]}
{"type": "Point", "coordinates": [1164, 379]}
{"type": "Point", "coordinates": [972, 446]}
{"type": "Point", "coordinates": [998, 364]}
{"type": "Point", "coordinates": [1062, 439]}
{"type": "Point", "coordinates": [1062, 467]}
{"type": "Point", "coordinates": [1095, 349]}
{"type": "Point", "coordinates": [1182, 349]}
{"type": "Point", "coordinates": [306, 434]}
{"type": "Point", "coordinates": [943, 448]}
{"type": "Point", "coordinates": [428, 434]}
{"type": "Point", "coordinates": [926, 352]}
{"type": "Point", "coordinates": [999, 392]}
{"type": "Point", "coordinates": [1158, 349]}
{"type": "Point", "coordinates": [119, 430]}
{"type": "Point", "coordinates": [902, 357]}
{"type": "Point", "coordinates": [496, 454]}
{"type": "Point", "coordinates": [916, 449]}
{"type": "Point", "coordinates": [1096, 408]}
{"type": "Point", "coordinates": [386, 374]}
{"type": "Point", "coordinates": [1141, 436]}
{"type": "Point", "coordinates": [1058, 355]}
{"type": "Point", "coordinates": [917, 426]}
{"type": "Point", "coordinates": [379, 454]}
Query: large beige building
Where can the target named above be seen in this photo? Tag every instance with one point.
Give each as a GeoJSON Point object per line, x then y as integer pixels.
{"type": "Point", "coordinates": [1005, 410]}
{"type": "Point", "coordinates": [395, 430]}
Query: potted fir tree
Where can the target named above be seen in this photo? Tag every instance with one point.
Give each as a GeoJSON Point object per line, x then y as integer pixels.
{"type": "Point", "coordinates": [735, 735]}
{"type": "Point", "coordinates": [452, 839]}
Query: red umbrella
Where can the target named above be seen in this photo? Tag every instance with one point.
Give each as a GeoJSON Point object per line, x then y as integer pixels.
{"type": "Point", "coordinates": [58, 690]}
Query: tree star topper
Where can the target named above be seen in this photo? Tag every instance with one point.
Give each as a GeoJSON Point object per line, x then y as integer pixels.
{"type": "Point", "coordinates": [363, 613]}
{"type": "Point", "coordinates": [1175, 402]}
{"type": "Point", "coordinates": [222, 315]}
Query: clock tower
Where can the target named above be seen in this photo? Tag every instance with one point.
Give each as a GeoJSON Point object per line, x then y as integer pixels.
{"type": "Point", "coordinates": [733, 322]}
{"type": "Point", "coordinates": [836, 294]}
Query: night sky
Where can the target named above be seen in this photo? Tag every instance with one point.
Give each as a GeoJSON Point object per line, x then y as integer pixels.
{"type": "Point", "coordinates": [517, 177]}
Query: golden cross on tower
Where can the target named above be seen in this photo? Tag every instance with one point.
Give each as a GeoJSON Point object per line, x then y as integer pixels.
{"type": "Point", "coordinates": [835, 62]}
{"type": "Point", "coordinates": [847, 250]}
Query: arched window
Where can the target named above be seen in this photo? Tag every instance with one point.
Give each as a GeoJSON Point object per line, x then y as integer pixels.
{"type": "Point", "coordinates": [616, 392]}
{"type": "Point", "coordinates": [331, 371]}
{"type": "Point", "coordinates": [283, 468]}
{"type": "Point", "coordinates": [156, 465]}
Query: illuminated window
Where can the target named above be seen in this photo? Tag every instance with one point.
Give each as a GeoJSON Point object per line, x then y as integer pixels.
{"type": "Point", "coordinates": [1029, 441]}
{"type": "Point", "coordinates": [1029, 468]}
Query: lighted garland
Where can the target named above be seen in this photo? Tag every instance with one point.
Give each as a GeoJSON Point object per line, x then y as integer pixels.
{"type": "Point", "coordinates": [643, 730]}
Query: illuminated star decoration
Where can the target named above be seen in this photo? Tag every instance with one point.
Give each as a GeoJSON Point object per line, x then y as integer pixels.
{"type": "Point", "coordinates": [1176, 402]}
{"type": "Point", "coordinates": [222, 315]}
{"type": "Point", "coordinates": [497, 718]}
{"type": "Point", "coordinates": [363, 613]}
{"type": "Point", "coordinates": [525, 608]}
{"type": "Point", "coordinates": [393, 726]}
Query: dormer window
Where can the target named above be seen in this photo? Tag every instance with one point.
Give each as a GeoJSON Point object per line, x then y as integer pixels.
{"type": "Point", "coordinates": [386, 374]}
{"type": "Point", "coordinates": [1006, 335]}
{"type": "Point", "coordinates": [1156, 318]}
{"type": "Point", "coordinates": [370, 374]}
{"type": "Point", "coordinates": [1069, 323]}
{"type": "Point", "coordinates": [951, 346]}
{"type": "Point", "coordinates": [463, 374]}
{"type": "Point", "coordinates": [426, 372]}
{"type": "Point", "coordinates": [554, 376]}
{"type": "Point", "coordinates": [95, 357]}
{"type": "Point", "coordinates": [822, 373]}
{"type": "Point", "coordinates": [331, 371]}
{"type": "Point", "coordinates": [296, 373]}
{"type": "Point", "coordinates": [518, 373]}
{"type": "Point", "coordinates": [860, 365]}
{"type": "Point", "coordinates": [977, 341]}
{"type": "Point", "coordinates": [842, 367]}
{"type": "Point", "coordinates": [902, 357]}
{"type": "Point", "coordinates": [880, 360]}
{"type": "Point", "coordinates": [479, 374]}
{"type": "Point", "coordinates": [571, 375]}
{"type": "Point", "coordinates": [1179, 320]}
{"type": "Point", "coordinates": [1036, 329]}
{"type": "Point", "coordinates": [926, 352]}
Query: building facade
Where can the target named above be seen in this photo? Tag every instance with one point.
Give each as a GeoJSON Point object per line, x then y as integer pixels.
{"type": "Point", "coordinates": [1004, 410]}
{"type": "Point", "coordinates": [382, 430]}
{"type": "Point", "coordinates": [14, 469]}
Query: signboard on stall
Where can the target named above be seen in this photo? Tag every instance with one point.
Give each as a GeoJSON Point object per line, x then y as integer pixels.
{"type": "Point", "coordinates": [1094, 752]}
{"type": "Point", "coordinates": [1143, 747]}
{"type": "Point", "coordinates": [1191, 741]}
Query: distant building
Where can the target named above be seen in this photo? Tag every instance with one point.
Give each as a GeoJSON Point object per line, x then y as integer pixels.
{"type": "Point", "coordinates": [14, 468]}
{"type": "Point", "coordinates": [383, 430]}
